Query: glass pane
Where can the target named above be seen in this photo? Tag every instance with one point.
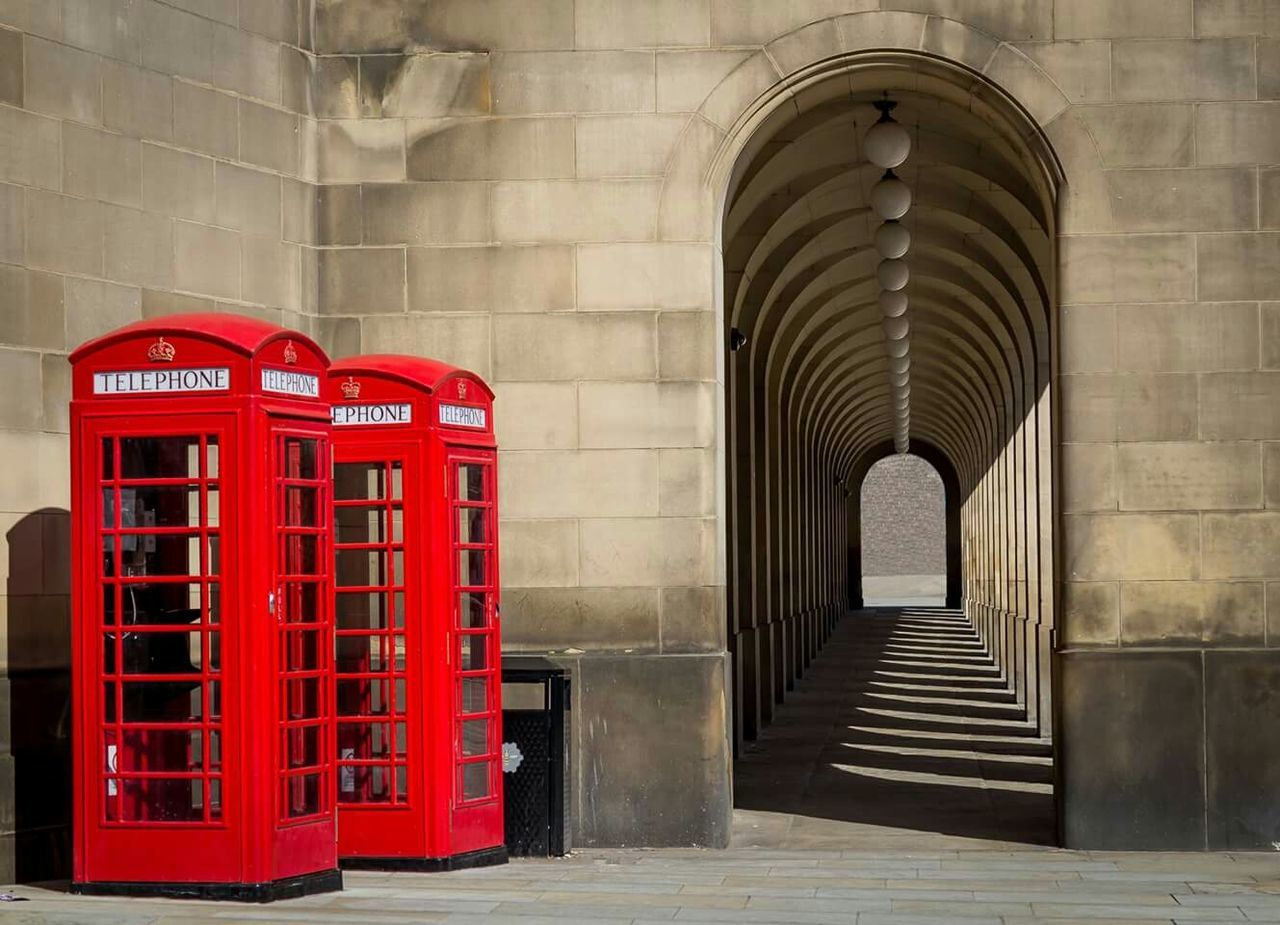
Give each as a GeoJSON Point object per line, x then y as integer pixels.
{"type": "Point", "coordinates": [475, 695]}
{"type": "Point", "coordinates": [303, 746]}
{"type": "Point", "coordinates": [397, 482]}
{"type": "Point", "coordinates": [470, 482]}
{"type": "Point", "coordinates": [212, 507]}
{"type": "Point", "coordinates": [363, 741]}
{"type": "Point", "coordinates": [300, 601]}
{"type": "Point", "coordinates": [475, 737]}
{"type": "Point", "coordinates": [109, 508]}
{"type": "Point", "coordinates": [302, 650]}
{"type": "Point", "coordinates": [471, 570]}
{"type": "Point", "coordinates": [159, 506]}
{"type": "Point", "coordinates": [161, 554]}
{"type": "Point", "coordinates": [475, 780]}
{"type": "Point", "coordinates": [471, 525]}
{"type": "Point", "coordinates": [402, 740]}
{"type": "Point", "coordinates": [364, 784]}
{"type": "Point", "coordinates": [211, 458]}
{"type": "Point", "coordinates": [215, 602]}
{"type": "Point", "coordinates": [402, 783]}
{"type": "Point", "coordinates": [163, 702]}
{"type": "Point", "coordinates": [215, 749]}
{"type": "Point", "coordinates": [359, 610]}
{"type": "Point", "coordinates": [361, 653]}
{"type": "Point", "coordinates": [109, 653]}
{"type": "Point", "coordinates": [359, 481]}
{"type": "Point", "coordinates": [303, 795]}
{"type": "Point", "coordinates": [158, 750]}
{"type": "Point", "coordinates": [302, 555]}
{"type": "Point", "coordinates": [397, 525]}
{"type": "Point", "coordinates": [109, 702]}
{"type": "Point", "coordinates": [473, 652]}
{"type": "Point", "coordinates": [109, 604]}
{"type": "Point", "coordinates": [471, 609]}
{"type": "Point", "coordinates": [108, 450]}
{"type": "Point", "coordinates": [300, 506]}
{"type": "Point", "coordinates": [160, 457]}
{"type": "Point", "coordinates": [302, 698]}
{"type": "Point", "coordinates": [300, 457]}
{"type": "Point", "coordinates": [162, 653]}
{"type": "Point", "coordinates": [361, 567]}
{"type": "Point", "coordinates": [157, 603]}
{"type": "Point", "coordinates": [155, 800]}
{"type": "Point", "coordinates": [110, 547]}
{"type": "Point", "coordinates": [215, 798]}
{"type": "Point", "coordinates": [360, 524]}
{"type": "Point", "coordinates": [362, 697]}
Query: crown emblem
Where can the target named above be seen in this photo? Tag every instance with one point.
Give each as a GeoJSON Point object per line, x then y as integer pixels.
{"type": "Point", "coordinates": [290, 354]}
{"type": "Point", "coordinates": [161, 351]}
{"type": "Point", "coordinates": [462, 388]}
{"type": "Point", "coordinates": [350, 389]}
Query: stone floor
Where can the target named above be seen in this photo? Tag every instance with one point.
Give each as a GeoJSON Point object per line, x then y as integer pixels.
{"type": "Point", "coordinates": [899, 786]}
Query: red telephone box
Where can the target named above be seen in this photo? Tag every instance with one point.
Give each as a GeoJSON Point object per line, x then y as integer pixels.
{"type": "Point", "coordinates": [202, 632]}
{"type": "Point", "coordinates": [419, 739]}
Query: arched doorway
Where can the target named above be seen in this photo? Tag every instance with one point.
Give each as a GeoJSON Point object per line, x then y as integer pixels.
{"type": "Point", "coordinates": [814, 396]}
{"type": "Point", "coordinates": [903, 529]}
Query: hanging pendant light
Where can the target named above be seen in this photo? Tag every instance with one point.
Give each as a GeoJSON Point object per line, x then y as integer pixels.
{"type": "Point", "coordinates": [890, 197]}
{"type": "Point", "coordinates": [892, 274]}
{"type": "Point", "coordinates": [892, 302]}
{"type": "Point", "coordinates": [892, 239]}
{"type": "Point", "coordinates": [887, 143]}
{"type": "Point", "coordinates": [895, 328]}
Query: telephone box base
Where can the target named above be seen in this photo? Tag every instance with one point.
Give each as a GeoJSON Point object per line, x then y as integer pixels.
{"type": "Point", "coordinates": [326, 881]}
{"type": "Point", "coordinates": [485, 857]}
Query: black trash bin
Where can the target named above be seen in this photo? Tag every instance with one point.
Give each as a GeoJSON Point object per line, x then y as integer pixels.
{"type": "Point", "coordinates": [535, 756]}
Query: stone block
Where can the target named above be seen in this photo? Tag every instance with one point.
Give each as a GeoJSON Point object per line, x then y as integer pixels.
{"type": "Point", "coordinates": [693, 620]}
{"type": "Point", "coordinates": [136, 102]}
{"type": "Point", "coordinates": [1210, 199]}
{"type": "Point", "coordinates": [660, 23]}
{"type": "Point", "coordinates": [688, 345]}
{"type": "Point", "coordinates": [615, 415]}
{"type": "Point", "coordinates": [101, 165]}
{"type": "Point", "coordinates": [338, 336]}
{"type": "Point", "coordinates": [138, 247]}
{"type": "Point", "coordinates": [684, 78]}
{"type": "Point", "coordinates": [1271, 475]}
{"type": "Point", "coordinates": [1082, 70]}
{"type": "Point", "coordinates": [1142, 135]}
{"type": "Point", "coordinates": [1191, 613]}
{"type": "Point", "coordinates": [536, 415]}
{"type": "Point", "coordinates": [158, 304]}
{"type": "Point", "coordinates": [1269, 197]}
{"type": "Point", "coordinates": [647, 551]}
{"type": "Point", "coordinates": [372, 27]}
{"type": "Point", "coordinates": [276, 19]}
{"type": "Point", "coordinates": [490, 149]}
{"type": "Point", "coordinates": [1087, 338]}
{"type": "Point", "coordinates": [248, 200]}
{"type": "Point", "coordinates": [220, 10]}
{"type": "Point", "coordinates": [1238, 133]}
{"type": "Point", "coordinates": [1240, 406]}
{"type": "Point", "coordinates": [1184, 69]}
{"type": "Point", "coordinates": [527, 83]}
{"type": "Point", "coordinates": [580, 346]}
{"type": "Point", "coordinates": [94, 308]}
{"type": "Point", "coordinates": [361, 281]}
{"type": "Point", "coordinates": [109, 27]}
{"type": "Point", "coordinates": [567, 211]}
{"type": "Point", "coordinates": [492, 279]}
{"type": "Point", "coordinates": [246, 63]}
{"type": "Point", "coordinates": [1187, 337]}
{"type": "Point", "coordinates": [355, 150]}
{"type": "Point", "coordinates": [205, 120]}
{"type": "Point", "coordinates": [744, 22]}
{"type": "Point", "coordinates": [206, 260]}
{"type": "Point", "coordinates": [1088, 477]}
{"type": "Point", "coordinates": [645, 277]}
{"type": "Point", "coordinates": [64, 234]}
{"type": "Point", "coordinates": [687, 482]}
{"type": "Point", "coordinates": [1119, 268]}
{"type": "Point", "coordinates": [11, 67]}
{"type": "Point", "coordinates": [1026, 21]}
{"type": "Point", "coordinates": [13, 223]}
{"type": "Point", "coordinates": [55, 373]}
{"type": "Point", "coordinates": [1132, 547]}
{"type": "Point", "coordinates": [1241, 545]}
{"type": "Point", "coordinates": [23, 482]}
{"type": "Point", "coordinates": [1268, 68]}
{"type": "Point", "coordinates": [1090, 613]}
{"type": "Point", "coordinates": [955, 40]}
{"type": "Point", "coordinates": [30, 149]}
{"type": "Point", "coordinates": [31, 309]}
{"type": "Point", "coordinates": [425, 213]}
{"type": "Point", "coordinates": [591, 619]}
{"type": "Point", "coordinates": [299, 211]}
{"type": "Point", "coordinates": [586, 483]}
{"type": "Point", "coordinates": [689, 210]}
{"type": "Point", "coordinates": [626, 146]}
{"type": "Point", "coordinates": [743, 86]}
{"type": "Point", "coordinates": [1150, 793]}
{"type": "Point", "coordinates": [1024, 79]}
{"type": "Point", "coordinates": [179, 184]}
{"type": "Point", "coordinates": [1105, 408]}
{"type": "Point", "coordinates": [1189, 476]}
{"type": "Point", "coordinates": [20, 370]}
{"type": "Point", "coordinates": [424, 86]}
{"type": "Point", "coordinates": [1102, 19]}
{"type": "Point", "coordinates": [61, 81]}
{"type": "Point", "coordinates": [269, 137]}
{"type": "Point", "coordinates": [270, 272]}
{"type": "Point", "coordinates": [482, 25]}
{"type": "Point", "coordinates": [539, 553]}
{"type": "Point", "coordinates": [176, 42]}
{"type": "Point", "coordinates": [1236, 17]}
{"type": "Point", "coordinates": [1238, 266]}
{"type": "Point", "coordinates": [462, 340]}
{"type": "Point", "coordinates": [876, 29]}
{"type": "Point", "coordinates": [1242, 717]}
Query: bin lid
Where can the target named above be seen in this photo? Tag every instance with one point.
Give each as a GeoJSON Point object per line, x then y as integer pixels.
{"type": "Point", "coordinates": [530, 668]}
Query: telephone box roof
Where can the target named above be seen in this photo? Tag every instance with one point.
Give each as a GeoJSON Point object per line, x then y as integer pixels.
{"type": "Point", "coordinates": [236, 332]}
{"type": "Point", "coordinates": [420, 372]}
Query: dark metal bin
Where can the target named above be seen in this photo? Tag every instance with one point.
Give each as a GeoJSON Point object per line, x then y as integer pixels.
{"type": "Point", "coordinates": [535, 756]}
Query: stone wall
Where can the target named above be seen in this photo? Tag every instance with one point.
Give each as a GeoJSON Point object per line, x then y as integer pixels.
{"type": "Point", "coordinates": [903, 519]}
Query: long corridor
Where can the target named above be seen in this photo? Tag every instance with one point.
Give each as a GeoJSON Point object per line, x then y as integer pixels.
{"type": "Point", "coordinates": [901, 736]}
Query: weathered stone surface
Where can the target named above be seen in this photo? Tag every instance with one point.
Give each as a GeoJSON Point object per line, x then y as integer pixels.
{"type": "Point", "coordinates": [643, 414]}
{"type": "Point", "coordinates": [687, 343]}
{"type": "Point", "coordinates": [270, 272]}
{"type": "Point", "coordinates": [491, 279]}
{"type": "Point", "coordinates": [1191, 613]}
{"type": "Point", "coordinates": [463, 340]}
{"type": "Point", "coordinates": [361, 281]}
{"type": "Point", "coordinates": [626, 146]}
{"type": "Point", "coordinates": [491, 149]}
{"type": "Point", "coordinates": [11, 67]}
{"type": "Point", "coordinates": [692, 620]}
{"type": "Point", "coordinates": [1242, 761]}
{"type": "Point", "coordinates": [1241, 545]}
{"type": "Point", "coordinates": [1082, 70]}
{"type": "Point", "coordinates": [540, 553]}
{"type": "Point", "coordinates": [1235, 17]}
{"type": "Point", "coordinates": [61, 81]}
{"type": "Point", "coordinates": [64, 234]}
{"type": "Point", "coordinates": [1189, 476]}
{"type": "Point", "coordinates": [435, 86]}
{"type": "Point", "coordinates": [94, 308]}
{"type": "Point", "coordinates": [1184, 69]}
{"type": "Point", "coordinates": [101, 165]}
{"type": "Point", "coordinates": [1213, 199]}
{"type": "Point", "coordinates": [137, 102]}
{"type": "Point", "coordinates": [246, 63]}
{"type": "Point", "coordinates": [633, 277]}
{"type": "Point", "coordinates": [13, 224]}
{"type": "Point", "coordinates": [1127, 268]}
{"type": "Point", "coordinates": [178, 184]}
{"type": "Point", "coordinates": [1085, 19]}
{"type": "Point", "coordinates": [525, 83]}
{"type": "Point", "coordinates": [536, 416]}
{"type": "Point", "coordinates": [598, 483]}
{"type": "Point", "coordinates": [1238, 266]}
{"type": "Point", "coordinates": [1104, 408]}
{"type": "Point", "coordinates": [594, 619]}
{"type": "Point", "coordinates": [176, 42]}
{"type": "Point", "coordinates": [269, 137]}
{"type": "Point", "coordinates": [425, 213]}
{"type": "Point", "coordinates": [1089, 477]}
{"type": "Point", "coordinates": [686, 77]}
{"type": "Point", "coordinates": [1087, 338]}
{"type": "Point", "coordinates": [31, 309]}
{"type": "Point", "coordinates": [138, 247]}
{"type": "Point", "coordinates": [585, 346]}
{"type": "Point", "coordinates": [686, 482]}
{"type": "Point", "coordinates": [248, 200]}
{"type": "Point", "coordinates": [351, 151]}
{"type": "Point", "coordinates": [206, 260]}
{"type": "Point", "coordinates": [488, 24]}
{"type": "Point", "coordinates": [30, 149]}
{"type": "Point", "coordinates": [1133, 547]}
{"type": "Point", "coordinates": [1090, 613]}
{"type": "Point", "coordinates": [621, 24]}
{"type": "Point", "coordinates": [1187, 337]}
{"type": "Point", "coordinates": [1240, 406]}
{"type": "Point", "coordinates": [1238, 133]}
{"type": "Point", "coordinates": [647, 552]}
{"type": "Point", "coordinates": [1142, 135]}
{"type": "Point", "coordinates": [205, 120]}
{"type": "Point", "coordinates": [276, 19]}
{"type": "Point", "coordinates": [575, 210]}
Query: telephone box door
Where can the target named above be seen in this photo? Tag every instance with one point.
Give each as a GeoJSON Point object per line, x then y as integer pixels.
{"type": "Point", "coordinates": [477, 810]}
{"type": "Point", "coordinates": [158, 628]}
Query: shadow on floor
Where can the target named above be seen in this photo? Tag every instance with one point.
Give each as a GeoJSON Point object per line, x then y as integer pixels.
{"type": "Point", "coordinates": [902, 725]}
